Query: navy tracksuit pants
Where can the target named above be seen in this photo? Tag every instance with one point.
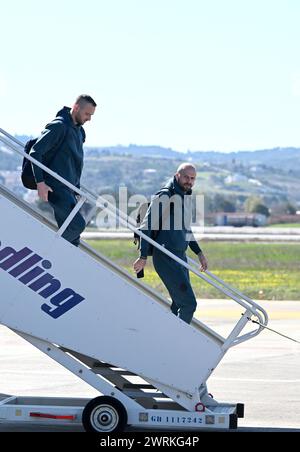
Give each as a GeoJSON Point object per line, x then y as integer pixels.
{"type": "Point", "coordinates": [63, 202]}
{"type": "Point", "coordinates": [177, 280]}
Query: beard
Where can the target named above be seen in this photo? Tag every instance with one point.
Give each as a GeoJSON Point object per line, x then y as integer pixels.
{"type": "Point", "coordinates": [185, 187]}
{"type": "Point", "coordinates": [79, 120]}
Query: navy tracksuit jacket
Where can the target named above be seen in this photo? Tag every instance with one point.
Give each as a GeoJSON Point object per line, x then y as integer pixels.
{"type": "Point", "coordinates": [60, 148]}
{"type": "Point", "coordinates": [174, 233]}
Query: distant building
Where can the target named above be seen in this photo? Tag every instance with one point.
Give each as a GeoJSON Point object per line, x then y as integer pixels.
{"type": "Point", "coordinates": [149, 171]}
{"type": "Point", "coordinates": [235, 178]}
{"type": "Point", "coordinates": [240, 219]}
{"type": "Point", "coordinates": [255, 182]}
{"type": "Point", "coordinates": [11, 178]}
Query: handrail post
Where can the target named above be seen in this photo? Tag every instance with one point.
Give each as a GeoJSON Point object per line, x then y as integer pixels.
{"type": "Point", "coordinates": [236, 331]}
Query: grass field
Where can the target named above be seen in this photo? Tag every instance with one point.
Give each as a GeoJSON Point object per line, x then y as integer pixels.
{"type": "Point", "coordinates": [285, 225]}
{"type": "Point", "coordinates": [261, 271]}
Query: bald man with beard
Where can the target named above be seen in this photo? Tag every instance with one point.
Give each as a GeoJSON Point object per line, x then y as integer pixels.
{"type": "Point", "coordinates": [168, 218]}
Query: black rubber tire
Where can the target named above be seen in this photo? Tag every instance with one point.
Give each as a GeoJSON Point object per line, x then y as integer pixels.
{"type": "Point", "coordinates": [104, 415]}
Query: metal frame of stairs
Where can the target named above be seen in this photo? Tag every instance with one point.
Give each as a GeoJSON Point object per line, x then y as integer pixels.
{"type": "Point", "coordinates": [144, 404]}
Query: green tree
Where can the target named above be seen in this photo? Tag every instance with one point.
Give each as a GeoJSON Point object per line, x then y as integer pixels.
{"type": "Point", "coordinates": [255, 204]}
{"type": "Point", "coordinates": [290, 210]}
{"type": "Point", "coordinates": [222, 204]}
{"type": "Point", "coordinates": [262, 209]}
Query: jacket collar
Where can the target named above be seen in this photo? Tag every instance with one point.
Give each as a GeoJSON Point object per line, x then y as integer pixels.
{"type": "Point", "coordinates": [175, 187]}
{"type": "Point", "coordinates": [65, 114]}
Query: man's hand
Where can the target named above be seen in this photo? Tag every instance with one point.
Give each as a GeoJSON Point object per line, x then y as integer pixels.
{"type": "Point", "coordinates": [43, 191]}
{"type": "Point", "coordinates": [203, 262]}
{"type": "Point", "coordinates": [139, 265]}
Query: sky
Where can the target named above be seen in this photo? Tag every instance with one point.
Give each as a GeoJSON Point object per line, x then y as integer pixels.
{"type": "Point", "coordinates": [192, 75]}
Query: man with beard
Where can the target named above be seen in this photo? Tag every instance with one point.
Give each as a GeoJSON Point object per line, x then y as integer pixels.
{"type": "Point", "coordinates": [168, 221]}
{"type": "Point", "coordinates": [60, 148]}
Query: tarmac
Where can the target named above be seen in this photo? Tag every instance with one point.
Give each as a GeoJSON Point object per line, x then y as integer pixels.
{"type": "Point", "coordinates": [263, 373]}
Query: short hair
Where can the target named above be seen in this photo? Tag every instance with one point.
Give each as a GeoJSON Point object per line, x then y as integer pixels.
{"type": "Point", "coordinates": [85, 99]}
{"type": "Point", "coordinates": [184, 166]}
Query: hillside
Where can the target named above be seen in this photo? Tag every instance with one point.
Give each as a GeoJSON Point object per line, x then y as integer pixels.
{"type": "Point", "coordinates": [272, 174]}
{"type": "Point", "coordinates": [283, 158]}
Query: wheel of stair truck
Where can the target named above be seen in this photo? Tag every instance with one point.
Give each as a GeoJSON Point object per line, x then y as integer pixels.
{"type": "Point", "coordinates": [104, 414]}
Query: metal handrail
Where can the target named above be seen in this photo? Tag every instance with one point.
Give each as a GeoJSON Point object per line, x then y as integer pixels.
{"type": "Point", "coordinates": [230, 291]}
{"type": "Point", "coordinates": [101, 202]}
{"type": "Point", "coordinates": [233, 290]}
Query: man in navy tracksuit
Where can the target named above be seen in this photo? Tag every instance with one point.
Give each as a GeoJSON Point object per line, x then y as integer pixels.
{"type": "Point", "coordinates": [169, 214]}
{"type": "Point", "coordinates": [60, 148]}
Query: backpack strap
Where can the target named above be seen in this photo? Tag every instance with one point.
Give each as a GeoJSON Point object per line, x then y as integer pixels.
{"type": "Point", "coordinates": [60, 120]}
{"type": "Point", "coordinates": [166, 190]}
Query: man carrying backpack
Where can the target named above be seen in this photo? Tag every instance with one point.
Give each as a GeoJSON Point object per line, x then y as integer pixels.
{"type": "Point", "coordinates": [60, 148]}
{"type": "Point", "coordinates": [169, 214]}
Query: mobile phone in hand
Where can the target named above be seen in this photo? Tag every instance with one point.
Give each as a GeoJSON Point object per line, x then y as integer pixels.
{"type": "Point", "coordinates": [140, 274]}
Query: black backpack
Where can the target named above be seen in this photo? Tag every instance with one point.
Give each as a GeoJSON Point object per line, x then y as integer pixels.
{"type": "Point", "coordinates": [140, 217]}
{"type": "Point", "coordinates": [27, 175]}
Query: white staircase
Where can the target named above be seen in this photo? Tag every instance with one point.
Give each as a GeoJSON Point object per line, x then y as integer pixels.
{"type": "Point", "coordinates": [108, 328]}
